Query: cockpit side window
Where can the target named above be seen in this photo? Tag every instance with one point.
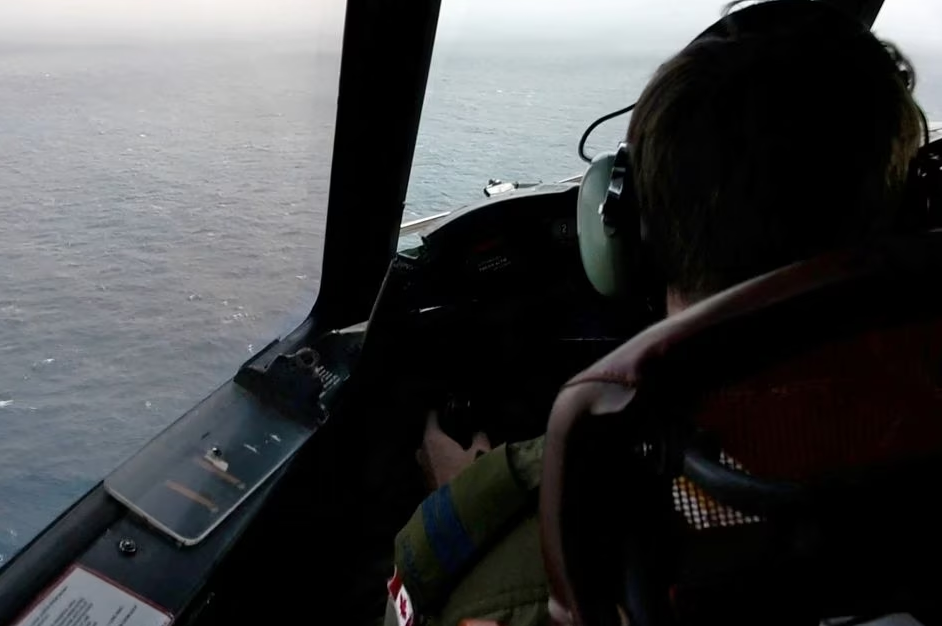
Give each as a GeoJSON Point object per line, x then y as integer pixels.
{"type": "Point", "coordinates": [164, 172]}
{"type": "Point", "coordinates": [915, 25]}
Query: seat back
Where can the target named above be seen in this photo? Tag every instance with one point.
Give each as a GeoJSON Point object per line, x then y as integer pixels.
{"type": "Point", "coordinates": [769, 455]}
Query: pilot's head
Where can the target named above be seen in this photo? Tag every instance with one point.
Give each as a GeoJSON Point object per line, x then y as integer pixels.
{"type": "Point", "coordinates": [771, 139]}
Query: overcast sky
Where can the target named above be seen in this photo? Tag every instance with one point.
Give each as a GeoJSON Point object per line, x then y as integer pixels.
{"type": "Point", "coordinates": [130, 17]}
{"type": "Point", "coordinates": [638, 24]}
{"type": "Point", "coordinates": [649, 23]}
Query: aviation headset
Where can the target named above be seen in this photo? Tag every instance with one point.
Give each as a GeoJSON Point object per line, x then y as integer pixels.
{"type": "Point", "coordinates": [612, 233]}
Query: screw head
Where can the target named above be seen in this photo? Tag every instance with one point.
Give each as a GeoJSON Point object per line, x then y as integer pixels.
{"type": "Point", "coordinates": [127, 546]}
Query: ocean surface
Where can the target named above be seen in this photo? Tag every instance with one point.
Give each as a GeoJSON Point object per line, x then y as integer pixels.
{"type": "Point", "coordinates": [162, 211]}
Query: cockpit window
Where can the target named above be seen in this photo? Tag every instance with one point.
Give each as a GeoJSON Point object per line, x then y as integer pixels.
{"type": "Point", "coordinates": [914, 25]}
{"type": "Point", "coordinates": [165, 166]}
{"type": "Point", "coordinates": [514, 84]}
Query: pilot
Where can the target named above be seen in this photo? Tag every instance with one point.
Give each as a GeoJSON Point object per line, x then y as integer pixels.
{"type": "Point", "coordinates": [783, 131]}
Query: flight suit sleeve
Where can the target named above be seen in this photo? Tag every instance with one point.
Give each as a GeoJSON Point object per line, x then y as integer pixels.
{"type": "Point", "coordinates": [456, 525]}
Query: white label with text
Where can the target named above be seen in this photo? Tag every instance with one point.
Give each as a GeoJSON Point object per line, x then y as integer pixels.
{"type": "Point", "coordinates": [83, 599]}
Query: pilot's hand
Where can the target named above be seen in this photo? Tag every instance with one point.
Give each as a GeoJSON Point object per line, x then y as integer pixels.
{"type": "Point", "coordinates": [441, 457]}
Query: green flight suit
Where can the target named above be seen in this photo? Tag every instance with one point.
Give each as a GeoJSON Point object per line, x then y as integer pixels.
{"type": "Point", "coordinates": [472, 548]}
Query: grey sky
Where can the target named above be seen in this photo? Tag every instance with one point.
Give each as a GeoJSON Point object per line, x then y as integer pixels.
{"type": "Point", "coordinates": [170, 16]}
{"type": "Point", "coordinates": [640, 24]}
{"type": "Point", "coordinates": [648, 23]}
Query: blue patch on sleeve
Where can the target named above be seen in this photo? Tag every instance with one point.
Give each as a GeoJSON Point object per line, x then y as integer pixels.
{"type": "Point", "coordinates": [446, 535]}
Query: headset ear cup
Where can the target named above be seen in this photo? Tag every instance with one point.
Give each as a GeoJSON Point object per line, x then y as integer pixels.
{"type": "Point", "coordinates": [603, 250]}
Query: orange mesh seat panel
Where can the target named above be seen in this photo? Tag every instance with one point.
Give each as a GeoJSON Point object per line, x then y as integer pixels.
{"type": "Point", "coordinates": [871, 399]}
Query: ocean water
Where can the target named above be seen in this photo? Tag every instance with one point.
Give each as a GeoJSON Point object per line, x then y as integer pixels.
{"type": "Point", "coordinates": [162, 210]}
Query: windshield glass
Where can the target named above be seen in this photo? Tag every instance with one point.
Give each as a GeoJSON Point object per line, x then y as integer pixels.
{"type": "Point", "coordinates": [914, 25]}
{"type": "Point", "coordinates": [164, 184]}
{"type": "Point", "coordinates": [514, 84]}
